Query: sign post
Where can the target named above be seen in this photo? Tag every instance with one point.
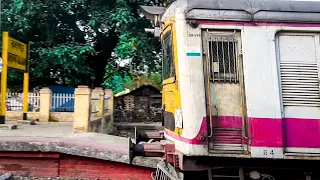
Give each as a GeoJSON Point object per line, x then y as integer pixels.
{"type": "Point", "coordinates": [4, 73]}
{"type": "Point", "coordinates": [26, 87]}
{"type": "Point", "coordinates": [14, 56]}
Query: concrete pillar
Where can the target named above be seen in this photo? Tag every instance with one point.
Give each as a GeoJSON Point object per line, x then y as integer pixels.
{"type": "Point", "coordinates": [82, 109]}
{"type": "Point", "coordinates": [109, 93]}
{"type": "Point", "coordinates": [108, 114]}
{"type": "Point", "coordinates": [45, 104]}
{"type": "Point", "coordinates": [99, 91]}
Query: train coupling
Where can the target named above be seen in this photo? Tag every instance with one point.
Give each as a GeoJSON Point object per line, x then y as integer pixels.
{"type": "Point", "coordinates": [148, 136]}
{"type": "Point", "coordinates": [163, 149]}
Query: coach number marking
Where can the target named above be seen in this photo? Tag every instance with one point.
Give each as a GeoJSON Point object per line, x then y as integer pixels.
{"type": "Point", "coordinates": [266, 152]}
{"type": "Point", "coordinates": [194, 35]}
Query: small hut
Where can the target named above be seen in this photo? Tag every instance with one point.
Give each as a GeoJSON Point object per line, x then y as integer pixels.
{"type": "Point", "coordinates": [140, 104]}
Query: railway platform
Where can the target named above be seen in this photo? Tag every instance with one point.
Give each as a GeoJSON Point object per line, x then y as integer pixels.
{"type": "Point", "coordinates": [53, 150]}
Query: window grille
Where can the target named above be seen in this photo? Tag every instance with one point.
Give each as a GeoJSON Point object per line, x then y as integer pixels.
{"type": "Point", "coordinates": [223, 54]}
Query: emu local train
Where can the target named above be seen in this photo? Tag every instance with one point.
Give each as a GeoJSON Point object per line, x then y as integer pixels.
{"type": "Point", "coordinates": [240, 91]}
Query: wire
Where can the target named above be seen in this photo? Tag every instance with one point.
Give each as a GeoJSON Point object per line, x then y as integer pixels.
{"type": "Point", "coordinates": [267, 177]}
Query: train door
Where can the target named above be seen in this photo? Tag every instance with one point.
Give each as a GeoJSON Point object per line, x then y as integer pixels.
{"type": "Point", "coordinates": [224, 91]}
{"type": "Point", "coordinates": [299, 56]}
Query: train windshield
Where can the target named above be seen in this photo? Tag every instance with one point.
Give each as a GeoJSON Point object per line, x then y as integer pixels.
{"type": "Point", "coordinates": [167, 61]}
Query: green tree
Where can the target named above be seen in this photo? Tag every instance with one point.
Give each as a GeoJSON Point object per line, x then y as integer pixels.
{"type": "Point", "coordinates": [75, 41]}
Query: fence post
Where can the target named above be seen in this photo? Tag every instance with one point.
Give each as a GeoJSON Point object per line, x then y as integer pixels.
{"type": "Point", "coordinates": [82, 112]}
{"type": "Point", "coordinates": [108, 92]}
{"type": "Point", "coordinates": [99, 91]}
{"type": "Point", "coordinates": [45, 104]}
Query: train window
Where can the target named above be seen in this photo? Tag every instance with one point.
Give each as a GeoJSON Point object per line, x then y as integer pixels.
{"type": "Point", "coordinates": [167, 56]}
{"type": "Point", "coordinates": [223, 59]}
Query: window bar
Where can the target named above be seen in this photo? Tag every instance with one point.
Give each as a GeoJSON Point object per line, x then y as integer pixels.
{"type": "Point", "coordinates": [224, 68]}
{"type": "Point", "coordinates": [218, 58]}
{"type": "Point", "coordinates": [234, 59]}
{"type": "Point", "coordinates": [212, 57]}
{"type": "Point", "coordinates": [238, 65]}
{"type": "Point", "coordinates": [208, 59]}
{"type": "Point", "coordinates": [229, 58]}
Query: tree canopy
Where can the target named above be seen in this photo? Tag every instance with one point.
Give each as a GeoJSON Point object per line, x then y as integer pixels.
{"type": "Point", "coordinates": [91, 42]}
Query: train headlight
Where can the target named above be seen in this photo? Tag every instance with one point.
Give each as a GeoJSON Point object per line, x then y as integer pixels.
{"type": "Point", "coordinates": [255, 175]}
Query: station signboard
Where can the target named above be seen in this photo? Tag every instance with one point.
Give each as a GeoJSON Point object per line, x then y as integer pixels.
{"type": "Point", "coordinates": [17, 54]}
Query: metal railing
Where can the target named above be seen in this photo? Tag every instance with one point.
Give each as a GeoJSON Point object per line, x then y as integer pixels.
{"type": "Point", "coordinates": [15, 101]}
{"type": "Point", "coordinates": [62, 102]}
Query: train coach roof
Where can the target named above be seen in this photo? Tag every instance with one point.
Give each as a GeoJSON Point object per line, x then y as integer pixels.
{"type": "Point", "coordinates": [248, 10]}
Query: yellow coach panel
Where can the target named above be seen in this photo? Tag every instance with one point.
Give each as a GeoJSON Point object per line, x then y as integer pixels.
{"type": "Point", "coordinates": [171, 93]}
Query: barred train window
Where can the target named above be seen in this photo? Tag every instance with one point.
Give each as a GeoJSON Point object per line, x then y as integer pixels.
{"type": "Point", "coordinates": [223, 60]}
{"type": "Point", "coordinates": [167, 56]}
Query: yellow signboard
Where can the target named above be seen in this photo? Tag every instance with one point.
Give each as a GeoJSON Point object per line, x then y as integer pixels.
{"type": "Point", "coordinates": [17, 48]}
{"type": "Point", "coordinates": [15, 56]}
{"type": "Point", "coordinates": [17, 53]}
